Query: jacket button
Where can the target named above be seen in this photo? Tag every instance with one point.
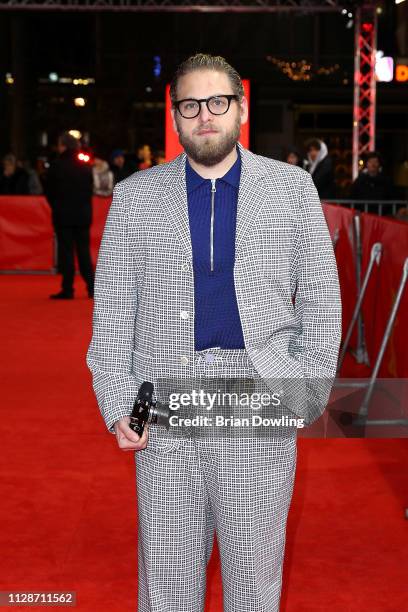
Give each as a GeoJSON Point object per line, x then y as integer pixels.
{"type": "Point", "coordinates": [184, 314]}
{"type": "Point", "coordinates": [185, 267]}
{"type": "Point", "coordinates": [184, 359]}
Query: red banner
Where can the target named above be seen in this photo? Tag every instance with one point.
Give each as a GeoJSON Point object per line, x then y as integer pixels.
{"type": "Point", "coordinates": [26, 233]}
{"type": "Point", "coordinates": [100, 209]}
{"type": "Point", "coordinates": [381, 292]}
{"type": "Point", "coordinates": [340, 223]}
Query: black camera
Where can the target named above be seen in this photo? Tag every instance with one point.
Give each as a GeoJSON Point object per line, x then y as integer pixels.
{"type": "Point", "coordinates": [145, 410]}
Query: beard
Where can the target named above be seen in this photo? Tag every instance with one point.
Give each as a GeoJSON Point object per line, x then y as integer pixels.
{"type": "Point", "coordinates": [212, 150]}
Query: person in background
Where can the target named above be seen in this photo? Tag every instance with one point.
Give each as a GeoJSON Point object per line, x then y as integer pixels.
{"type": "Point", "coordinates": [159, 158]}
{"type": "Point", "coordinates": [371, 183]}
{"type": "Point", "coordinates": [102, 177]}
{"type": "Point", "coordinates": [320, 166]}
{"type": "Point", "coordinates": [144, 154]}
{"type": "Point", "coordinates": [293, 157]}
{"type": "Point", "coordinates": [119, 167]}
{"type": "Point", "coordinates": [68, 189]}
{"type": "Point", "coordinates": [13, 179]}
{"type": "Point", "coordinates": [34, 184]}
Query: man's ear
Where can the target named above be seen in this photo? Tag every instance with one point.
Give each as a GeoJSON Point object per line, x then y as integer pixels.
{"type": "Point", "coordinates": [173, 118]}
{"type": "Point", "coordinates": [244, 110]}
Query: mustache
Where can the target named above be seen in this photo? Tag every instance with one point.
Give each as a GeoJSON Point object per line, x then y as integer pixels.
{"type": "Point", "coordinates": [202, 128]}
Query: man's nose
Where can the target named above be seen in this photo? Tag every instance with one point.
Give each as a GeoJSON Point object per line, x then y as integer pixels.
{"type": "Point", "coordinates": [205, 114]}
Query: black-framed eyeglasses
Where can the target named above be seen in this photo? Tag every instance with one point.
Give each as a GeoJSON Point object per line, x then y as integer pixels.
{"type": "Point", "coordinates": [217, 105]}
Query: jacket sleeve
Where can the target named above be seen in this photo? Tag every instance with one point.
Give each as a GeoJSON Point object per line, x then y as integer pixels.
{"type": "Point", "coordinates": [109, 355]}
{"type": "Point", "coordinates": [317, 305]}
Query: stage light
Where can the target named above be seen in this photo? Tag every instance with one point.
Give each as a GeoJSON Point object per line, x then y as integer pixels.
{"type": "Point", "coordinates": [9, 78]}
{"type": "Point", "coordinates": [79, 101]}
{"type": "Point", "coordinates": [399, 1]}
{"type": "Point", "coordinates": [53, 77]}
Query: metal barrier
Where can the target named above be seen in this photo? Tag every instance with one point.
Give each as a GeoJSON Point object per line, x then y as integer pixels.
{"type": "Point", "coordinates": [378, 207]}
{"type": "Point", "coordinates": [374, 258]}
{"type": "Point", "coordinates": [364, 406]}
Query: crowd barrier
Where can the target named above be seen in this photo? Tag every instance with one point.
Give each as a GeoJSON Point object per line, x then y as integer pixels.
{"type": "Point", "coordinates": [378, 207]}
{"type": "Point", "coordinates": [372, 258]}
{"type": "Point", "coordinates": [27, 246]}
{"type": "Point", "coordinates": [27, 241]}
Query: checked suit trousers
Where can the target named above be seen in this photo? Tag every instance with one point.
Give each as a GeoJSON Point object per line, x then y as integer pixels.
{"type": "Point", "coordinates": [235, 486]}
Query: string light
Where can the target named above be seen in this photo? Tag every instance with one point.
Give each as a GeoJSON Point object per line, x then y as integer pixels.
{"type": "Point", "coordinates": [301, 70]}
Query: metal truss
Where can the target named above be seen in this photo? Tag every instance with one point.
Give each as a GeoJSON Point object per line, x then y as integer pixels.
{"type": "Point", "coordinates": [364, 106]}
{"type": "Point", "coordinates": [180, 6]}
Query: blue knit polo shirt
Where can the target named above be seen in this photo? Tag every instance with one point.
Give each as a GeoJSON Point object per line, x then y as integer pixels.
{"type": "Point", "coordinates": [216, 322]}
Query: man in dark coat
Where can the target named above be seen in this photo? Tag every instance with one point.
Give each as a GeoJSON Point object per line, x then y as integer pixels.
{"type": "Point", "coordinates": [320, 166]}
{"type": "Point", "coordinates": [372, 184]}
{"type": "Point", "coordinates": [68, 189]}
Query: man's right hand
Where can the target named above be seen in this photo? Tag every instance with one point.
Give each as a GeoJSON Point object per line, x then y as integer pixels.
{"type": "Point", "coordinates": [127, 438]}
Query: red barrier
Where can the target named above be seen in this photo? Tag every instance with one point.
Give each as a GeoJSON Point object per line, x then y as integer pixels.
{"type": "Point", "coordinates": [340, 223]}
{"type": "Point", "coordinates": [26, 243]}
{"type": "Point", "coordinates": [381, 292]}
{"type": "Point", "coordinates": [100, 209]}
{"type": "Point", "coordinates": [26, 234]}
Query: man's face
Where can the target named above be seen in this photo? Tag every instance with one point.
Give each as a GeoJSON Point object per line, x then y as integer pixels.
{"type": "Point", "coordinates": [373, 165]}
{"type": "Point", "coordinates": [292, 159]}
{"type": "Point", "coordinates": [119, 161]}
{"type": "Point", "coordinates": [208, 138]}
{"type": "Point", "coordinates": [9, 168]}
{"type": "Point", "coordinates": [313, 153]}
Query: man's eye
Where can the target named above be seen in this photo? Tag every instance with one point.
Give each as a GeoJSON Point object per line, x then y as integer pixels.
{"type": "Point", "coordinates": [190, 105]}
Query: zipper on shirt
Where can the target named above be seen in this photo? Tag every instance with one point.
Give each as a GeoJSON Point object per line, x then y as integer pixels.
{"type": "Point", "coordinates": [213, 190]}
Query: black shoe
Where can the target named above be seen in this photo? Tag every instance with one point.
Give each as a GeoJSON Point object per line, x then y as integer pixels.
{"type": "Point", "coordinates": [62, 295]}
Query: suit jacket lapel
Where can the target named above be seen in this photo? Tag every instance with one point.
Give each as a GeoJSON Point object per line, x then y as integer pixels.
{"type": "Point", "coordinates": [251, 196]}
{"type": "Point", "coordinates": [174, 199]}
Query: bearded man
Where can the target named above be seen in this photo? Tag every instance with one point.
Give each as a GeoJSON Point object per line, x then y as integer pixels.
{"type": "Point", "coordinates": [215, 266]}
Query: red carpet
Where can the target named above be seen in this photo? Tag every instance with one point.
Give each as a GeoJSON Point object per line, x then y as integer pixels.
{"type": "Point", "coordinates": [68, 511]}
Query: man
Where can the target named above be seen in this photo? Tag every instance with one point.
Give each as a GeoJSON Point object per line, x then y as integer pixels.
{"type": "Point", "coordinates": [199, 263]}
{"type": "Point", "coordinates": [13, 180]}
{"type": "Point", "coordinates": [372, 184]}
{"type": "Point", "coordinates": [145, 157]}
{"type": "Point", "coordinates": [119, 167]}
{"type": "Point", "coordinates": [320, 167]}
{"type": "Point", "coordinates": [68, 189]}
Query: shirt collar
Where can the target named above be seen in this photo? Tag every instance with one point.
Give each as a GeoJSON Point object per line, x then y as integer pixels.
{"type": "Point", "coordinates": [232, 177]}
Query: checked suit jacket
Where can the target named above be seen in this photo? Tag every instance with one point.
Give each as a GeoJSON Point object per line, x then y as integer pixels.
{"type": "Point", "coordinates": [285, 278]}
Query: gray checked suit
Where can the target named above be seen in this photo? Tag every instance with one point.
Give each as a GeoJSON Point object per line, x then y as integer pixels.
{"type": "Point", "coordinates": [143, 329]}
